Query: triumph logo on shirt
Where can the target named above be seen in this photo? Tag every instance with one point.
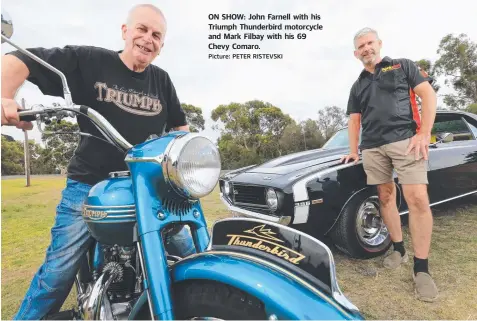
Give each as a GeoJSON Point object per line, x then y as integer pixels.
{"type": "Point", "coordinates": [129, 101]}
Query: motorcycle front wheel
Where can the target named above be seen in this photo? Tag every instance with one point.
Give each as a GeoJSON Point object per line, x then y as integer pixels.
{"type": "Point", "coordinates": [202, 299]}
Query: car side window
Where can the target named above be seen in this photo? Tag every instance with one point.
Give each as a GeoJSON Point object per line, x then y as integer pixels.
{"type": "Point", "coordinates": [456, 126]}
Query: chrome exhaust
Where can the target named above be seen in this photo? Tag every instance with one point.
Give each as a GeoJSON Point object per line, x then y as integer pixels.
{"type": "Point", "coordinates": [97, 306]}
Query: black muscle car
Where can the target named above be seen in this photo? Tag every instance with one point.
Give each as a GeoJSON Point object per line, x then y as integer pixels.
{"type": "Point", "coordinates": [314, 192]}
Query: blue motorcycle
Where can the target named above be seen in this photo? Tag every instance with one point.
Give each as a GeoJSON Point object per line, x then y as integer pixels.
{"type": "Point", "coordinates": [244, 269]}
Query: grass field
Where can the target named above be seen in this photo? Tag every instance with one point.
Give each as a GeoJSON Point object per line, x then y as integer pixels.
{"type": "Point", "coordinates": [28, 214]}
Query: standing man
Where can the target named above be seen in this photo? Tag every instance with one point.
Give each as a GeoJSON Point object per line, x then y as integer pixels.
{"type": "Point", "coordinates": [136, 97]}
{"type": "Point", "coordinates": [382, 102]}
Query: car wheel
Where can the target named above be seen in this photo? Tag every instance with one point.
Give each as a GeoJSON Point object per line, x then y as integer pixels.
{"type": "Point", "coordinates": [360, 231]}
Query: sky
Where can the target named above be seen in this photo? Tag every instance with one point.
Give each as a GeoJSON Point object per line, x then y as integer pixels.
{"type": "Point", "coordinates": [314, 73]}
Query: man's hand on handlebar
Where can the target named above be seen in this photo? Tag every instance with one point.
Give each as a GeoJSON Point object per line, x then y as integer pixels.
{"type": "Point", "coordinates": [10, 115]}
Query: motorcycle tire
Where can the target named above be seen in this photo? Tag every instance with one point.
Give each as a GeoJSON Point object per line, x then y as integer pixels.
{"type": "Point", "coordinates": [210, 299]}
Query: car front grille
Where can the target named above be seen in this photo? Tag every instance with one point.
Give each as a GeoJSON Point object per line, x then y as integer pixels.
{"type": "Point", "coordinates": [249, 195]}
{"type": "Point", "coordinates": [261, 210]}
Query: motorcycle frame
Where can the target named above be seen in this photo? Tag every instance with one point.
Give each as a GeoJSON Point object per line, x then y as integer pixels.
{"type": "Point", "coordinates": [146, 168]}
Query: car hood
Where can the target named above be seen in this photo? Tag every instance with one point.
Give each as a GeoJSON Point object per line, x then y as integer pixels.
{"type": "Point", "coordinates": [288, 166]}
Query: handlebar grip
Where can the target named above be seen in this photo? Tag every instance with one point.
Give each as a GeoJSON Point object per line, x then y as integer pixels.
{"type": "Point", "coordinates": [27, 117]}
{"type": "Point", "coordinates": [84, 109]}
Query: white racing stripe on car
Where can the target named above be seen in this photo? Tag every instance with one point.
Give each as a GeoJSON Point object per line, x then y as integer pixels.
{"type": "Point", "coordinates": [301, 214]}
{"type": "Point", "coordinates": [440, 147]}
{"type": "Point", "coordinates": [300, 193]}
{"type": "Point", "coordinates": [299, 188]}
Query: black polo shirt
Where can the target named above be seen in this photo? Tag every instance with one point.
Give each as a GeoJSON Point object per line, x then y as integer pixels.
{"type": "Point", "coordinates": [387, 102]}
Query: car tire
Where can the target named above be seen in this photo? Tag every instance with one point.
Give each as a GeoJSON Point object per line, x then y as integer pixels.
{"type": "Point", "coordinates": [360, 231]}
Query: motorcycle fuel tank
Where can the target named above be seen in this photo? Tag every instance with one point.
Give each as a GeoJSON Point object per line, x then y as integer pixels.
{"type": "Point", "coordinates": [109, 210]}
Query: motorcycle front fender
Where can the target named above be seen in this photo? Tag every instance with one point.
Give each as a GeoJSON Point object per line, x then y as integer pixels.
{"type": "Point", "coordinates": [284, 295]}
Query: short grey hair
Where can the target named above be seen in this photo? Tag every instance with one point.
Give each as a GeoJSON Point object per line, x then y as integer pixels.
{"type": "Point", "coordinates": [364, 32]}
{"type": "Point", "coordinates": [144, 5]}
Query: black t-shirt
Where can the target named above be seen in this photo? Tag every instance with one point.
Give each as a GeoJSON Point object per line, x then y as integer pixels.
{"type": "Point", "coordinates": [387, 102]}
{"type": "Point", "coordinates": [137, 104]}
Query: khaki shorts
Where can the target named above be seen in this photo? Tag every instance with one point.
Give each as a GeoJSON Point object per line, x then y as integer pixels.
{"type": "Point", "coordinates": [378, 163]}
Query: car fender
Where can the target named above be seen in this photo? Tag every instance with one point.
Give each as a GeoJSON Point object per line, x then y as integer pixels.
{"type": "Point", "coordinates": [362, 190]}
{"type": "Point", "coordinates": [283, 294]}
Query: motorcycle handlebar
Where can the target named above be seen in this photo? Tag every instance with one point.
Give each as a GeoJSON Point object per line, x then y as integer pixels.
{"type": "Point", "coordinates": [105, 127]}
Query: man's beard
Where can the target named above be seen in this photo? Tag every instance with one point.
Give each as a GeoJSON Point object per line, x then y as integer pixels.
{"type": "Point", "coordinates": [369, 59]}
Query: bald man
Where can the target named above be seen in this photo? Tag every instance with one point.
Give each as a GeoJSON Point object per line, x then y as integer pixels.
{"type": "Point", "coordinates": [136, 97]}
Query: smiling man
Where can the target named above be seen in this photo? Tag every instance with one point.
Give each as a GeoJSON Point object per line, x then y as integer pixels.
{"type": "Point", "coordinates": [395, 136]}
{"type": "Point", "coordinates": [143, 34]}
{"type": "Point", "coordinates": [136, 97]}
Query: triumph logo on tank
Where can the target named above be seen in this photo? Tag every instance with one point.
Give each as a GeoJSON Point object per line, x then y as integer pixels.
{"type": "Point", "coordinates": [266, 242]}
{"type": "Point", "coordinates": [94, 215]}
{"type": "Point", "coordinates": [129, 100]}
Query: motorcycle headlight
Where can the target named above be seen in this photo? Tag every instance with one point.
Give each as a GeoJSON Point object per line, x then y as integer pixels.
{"type": "Point", "coordinates": [192, 165]}
{"type": "Point", "coordinates": [272, 199]}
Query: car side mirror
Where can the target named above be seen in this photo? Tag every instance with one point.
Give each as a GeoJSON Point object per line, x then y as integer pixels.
{"type": "Point", "coordinates": [7, 25]}
{"type": "Point", "coordinates": [446, 137]}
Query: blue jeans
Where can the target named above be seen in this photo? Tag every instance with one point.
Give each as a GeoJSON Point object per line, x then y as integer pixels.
{"type": "Point", "coordinates": [70, 239]}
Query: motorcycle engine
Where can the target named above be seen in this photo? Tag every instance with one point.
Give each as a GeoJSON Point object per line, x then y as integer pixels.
{"type": "Point", "coordinates": [121, 258]}
{"type": "Point", "coordinates": [116, 284]}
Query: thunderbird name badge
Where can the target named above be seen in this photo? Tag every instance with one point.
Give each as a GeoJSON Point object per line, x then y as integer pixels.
{"type": "Point", "coordinates": [263, 239]}
{"type": "Point", "coordinates": [274, 242]}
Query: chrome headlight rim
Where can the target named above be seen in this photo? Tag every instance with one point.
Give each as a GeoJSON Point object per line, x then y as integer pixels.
{"type": "Point", "coordinates": [227, 187]}
{"type": "Point", "coordinates": [272, 208]}
{"type": "Point", "coordinates": [170, 163]}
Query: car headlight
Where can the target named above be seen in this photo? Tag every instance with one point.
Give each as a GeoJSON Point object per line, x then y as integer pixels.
{"type": "Point", "coordinates": [272, 199]}
{"type": "Point", "coordinates": [227, 188]}
{"type": "Point", "coordinates": [192, 165]}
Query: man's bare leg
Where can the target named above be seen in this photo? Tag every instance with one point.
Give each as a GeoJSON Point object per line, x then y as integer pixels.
{"type": "Point", "coordinates": [420, 226]}
{"type": "Point", "coordinates": [389, 211]}
{"type": "Point", "coordinates": [390, 215]}
{"type": "Point", "coordinates": [420, 218]}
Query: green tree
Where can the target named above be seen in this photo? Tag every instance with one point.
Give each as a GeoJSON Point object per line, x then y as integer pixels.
{"type": "Point", "coordinates": [472, 108]}
{"type": "Point", "coordinates": [40, 160]}
{"type": "Point", "coordinates": [235, 155]}
{"type": "Point", "coordinates": [312, 136]}
{"type": "Point", "coordinates": [60, 139]}
{"type": "Point", "coordinates": [251, 130]}
{"type": "Point", "coordinates": [293, 139]}
{"type": "Point", "coordinates": [12, 157]}
{"type": "Point", "coordinates": [330, 120]}
{"type": "Point", "coordinates": [194, 117]}
{"type": "Point", "coordinates": [427, 67]}
{"type": "Point", "coordinates": [458, 63]}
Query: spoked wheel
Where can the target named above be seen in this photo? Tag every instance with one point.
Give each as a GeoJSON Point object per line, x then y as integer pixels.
{"type": "Point", "coordinates": [206, 300]}
{"type": "Point", "coordinates": [360, 231]}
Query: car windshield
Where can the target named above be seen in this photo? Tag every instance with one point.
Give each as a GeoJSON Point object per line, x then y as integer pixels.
{"type": "Point", "coordinates": [339, 140]}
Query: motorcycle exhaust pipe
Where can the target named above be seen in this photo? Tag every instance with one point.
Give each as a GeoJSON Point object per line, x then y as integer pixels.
{"type": "Point", "coordinates": [97, 299]}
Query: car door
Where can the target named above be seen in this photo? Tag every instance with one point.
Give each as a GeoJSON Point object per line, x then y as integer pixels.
{"type": "Point", "coordinates": [470, 162]}
{"type": "Point", "coordinates": [452, 166]}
